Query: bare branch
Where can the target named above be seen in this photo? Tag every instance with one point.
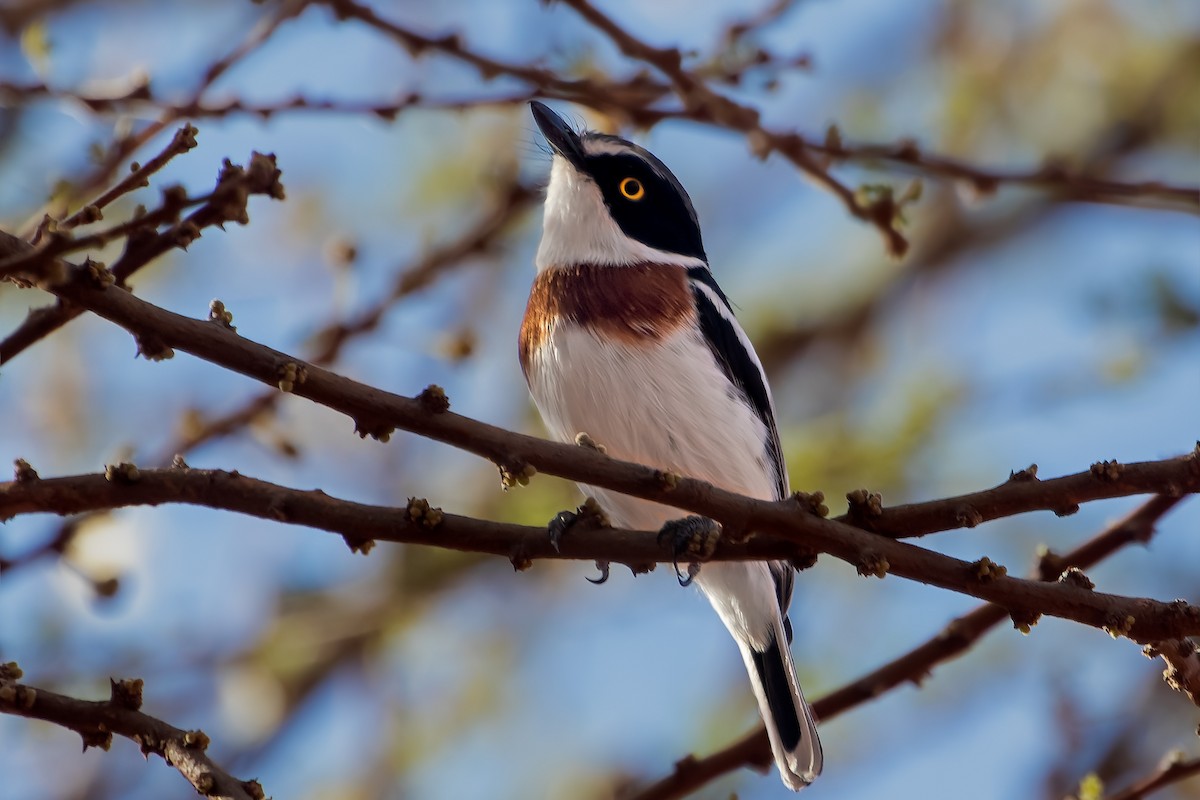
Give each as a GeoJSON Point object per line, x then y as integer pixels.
{"type": "Point", "coordinates": [97, 721]}
{"type": "Point", "coordinates": [226, 203]}
{"type": "Point", "coordinates": [1173, 769]}
{"type": "Point", "coordinates": [1138, 618]}
{"type": "Point", "coordinates": [959, 636]}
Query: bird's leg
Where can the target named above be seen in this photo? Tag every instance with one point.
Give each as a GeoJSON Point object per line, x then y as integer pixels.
{"type": "Point", "coordinates": [693, 539]}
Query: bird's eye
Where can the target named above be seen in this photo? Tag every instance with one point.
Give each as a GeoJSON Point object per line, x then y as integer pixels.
{"type": "Point", "coordinates": [632, 189]}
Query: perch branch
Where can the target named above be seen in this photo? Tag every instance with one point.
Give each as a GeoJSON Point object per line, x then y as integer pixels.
{"type": "Point", "coordinates": [915, 666]}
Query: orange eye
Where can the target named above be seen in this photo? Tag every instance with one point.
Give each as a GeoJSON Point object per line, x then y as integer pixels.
{"type": "Point", "coordinates": [632, 189]}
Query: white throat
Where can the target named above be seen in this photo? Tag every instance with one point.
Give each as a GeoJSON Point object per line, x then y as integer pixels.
{"type": "Point", "coordinates": [577, 228]}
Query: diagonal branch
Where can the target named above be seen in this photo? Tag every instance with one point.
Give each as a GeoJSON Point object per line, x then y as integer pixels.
{"type": "Point", "coordinates": [959, 636]}
{"type": "Point", "coordinates": [226, 203]}
{"type": "Point", "coordinates": [1173, 769]}
{"type": "Point", "coordinates": [97, 721]}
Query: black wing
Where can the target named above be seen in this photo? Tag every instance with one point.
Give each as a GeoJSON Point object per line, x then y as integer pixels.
{"type": "Point", "coordinates": [739, 365]}
{"type": "Point", "coordinates": [744, 372]}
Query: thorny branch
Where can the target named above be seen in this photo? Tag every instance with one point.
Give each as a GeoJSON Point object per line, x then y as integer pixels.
{"type": "Point", "coordinates": [226, 203]}
{"type": "Point", "coordinates": [798, 533]}
{"type": "Point", "coordinates": [97, 721]}
{"type": "Point", "coordinates": [915, 666]}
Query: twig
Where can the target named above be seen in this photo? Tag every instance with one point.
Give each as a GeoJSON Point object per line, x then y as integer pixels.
{"type": "Point", "coordinates": [1183, 665]}
{"type": "Point", "coordinates": [226, 203]}
{"type": "Point", "coordinates": [97, 721]}
{"type": "Point", "coordinates": [1173, 769]}
{"type": "Point", "coordinates": [959, 636]}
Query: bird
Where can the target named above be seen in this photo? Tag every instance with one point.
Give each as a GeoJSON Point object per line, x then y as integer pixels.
{"type": "Point", "coordinates": [628, 339]}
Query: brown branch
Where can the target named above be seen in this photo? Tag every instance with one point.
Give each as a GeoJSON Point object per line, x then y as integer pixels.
{"type": "Point", "coordinates": [1173, 769]}
{"type": "Point", "coordinates": [97, 721]}
{"type": "Point", "coordinates": [915, 666]}
{"type": "Point", "coordinates": [1183, 665]}
{"type": "Point", "coordinates": [142, 99]}
{"type": "Point", "coordinates": [510, 202]}
{"type": "Point", "coordinates": [226, 203]}
{"type": "Point", "coordinates": [139, 177]}
{"type": "Point", "coordinates": [1021, 493]}
{"type": "Point", "coordinates": [1138, 618]}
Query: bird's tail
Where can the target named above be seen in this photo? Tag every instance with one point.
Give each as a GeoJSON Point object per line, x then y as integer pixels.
{"type": "Point", "coordinates": [790, 724]}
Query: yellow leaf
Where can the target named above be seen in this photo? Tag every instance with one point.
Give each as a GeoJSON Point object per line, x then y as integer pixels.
{"type": "Point", "coordinates": [1091, 787]}
{"type": "Point", "coordinates": [35, 44]}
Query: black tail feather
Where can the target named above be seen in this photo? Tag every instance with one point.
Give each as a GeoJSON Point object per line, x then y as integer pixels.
{"type": "Point", "coordinates": [773, 673]}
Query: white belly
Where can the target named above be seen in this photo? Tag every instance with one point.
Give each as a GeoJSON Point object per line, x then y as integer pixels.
{"type": "Point", "coordinates": [667, 405]}
{"type": "Point", "coordinates": [663, 403]}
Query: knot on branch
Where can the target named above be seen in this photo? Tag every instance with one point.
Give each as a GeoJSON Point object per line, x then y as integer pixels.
{"type": "Point", "coordinates": [967, 516]}
{"type": "Point", "coordinates": [1107, 470]}
{"type": "Point", "coordinates": [864, 504]}
{"type": "Point", "coordinates": [985, 570]}
{"type": "Point", "coordinates": [1024, 620]}
{"type": "Point", "coordinates": [811, 503]}
{"type": "Point", "coordinates": [152, 348]}
{"type": "Point", "coordinates": [219, 314]}
{"type": "Point", "coordinates": [127, 693]}
{"type": "Point", "coordinates": [667, 480]}
{"type": "Point", "coordinates": [1117, 626]}
{"type": "Point", "coordinates": [376, 429]}
{"type": "Point", "coordinates": [184, 234]}
{"type": "Point", "coordinates": [1074, 576]}
{"type": "Point", "coordinates": [423, 514]}
{"type": "Point", "coordinates": [433, 399]}
{"type": "Point", "coordinates": [97, 273]}
{"type": "Point", "coordinates": [196, 740]}
{"type": "Point", "coordinates": [803, 559]}
{"type": "Point", "coordinates": [358, 544]}
{"type": "Point", "coordinates": [123, 473]}
{"type": "Point", "coordinates": [23, 473]}
{"type": "Point", "coordinates": [872, 564]}
{"type": "Point", "coordinates": [1024, 475]}
{"type": "Point", "coordinates": [517, 473]}
{"type": "Point", "coordinates": [16, 696]}
{"type": "Point", "coordinates": [584, 440]}
{"type": "Point", "coordinates": [290, 374]}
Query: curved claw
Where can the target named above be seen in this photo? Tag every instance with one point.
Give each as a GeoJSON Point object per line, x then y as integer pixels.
{"type": "Point", "coordinates": [693, 539]}
{"type": "Point", "coordinates": [605, 571]}
{"type": "Point", "coordinates": [692, 571]}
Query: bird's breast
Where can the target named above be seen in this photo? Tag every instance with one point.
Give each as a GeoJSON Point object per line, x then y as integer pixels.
{"type": "Point", "coordinates": [631, 305]}
{"type": "Point", "coordinates": [645, 386]}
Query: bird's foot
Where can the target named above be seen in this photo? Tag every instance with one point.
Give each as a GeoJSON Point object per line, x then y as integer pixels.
{"type": "Point", "coordinates": [564, 521]}
{"type": "Point", "coordinates": [693, 540]}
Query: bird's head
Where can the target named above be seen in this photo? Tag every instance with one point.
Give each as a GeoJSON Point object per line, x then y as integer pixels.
{"type": "Point", "coordinates": [612, 203]}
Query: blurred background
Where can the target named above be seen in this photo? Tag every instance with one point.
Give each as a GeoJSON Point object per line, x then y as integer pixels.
{"type": "Point", "coordinates": [1019, 329]}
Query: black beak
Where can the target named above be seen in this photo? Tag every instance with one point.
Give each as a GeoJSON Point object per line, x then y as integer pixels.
{"type": "Point", "coordinates": [564, 141]}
